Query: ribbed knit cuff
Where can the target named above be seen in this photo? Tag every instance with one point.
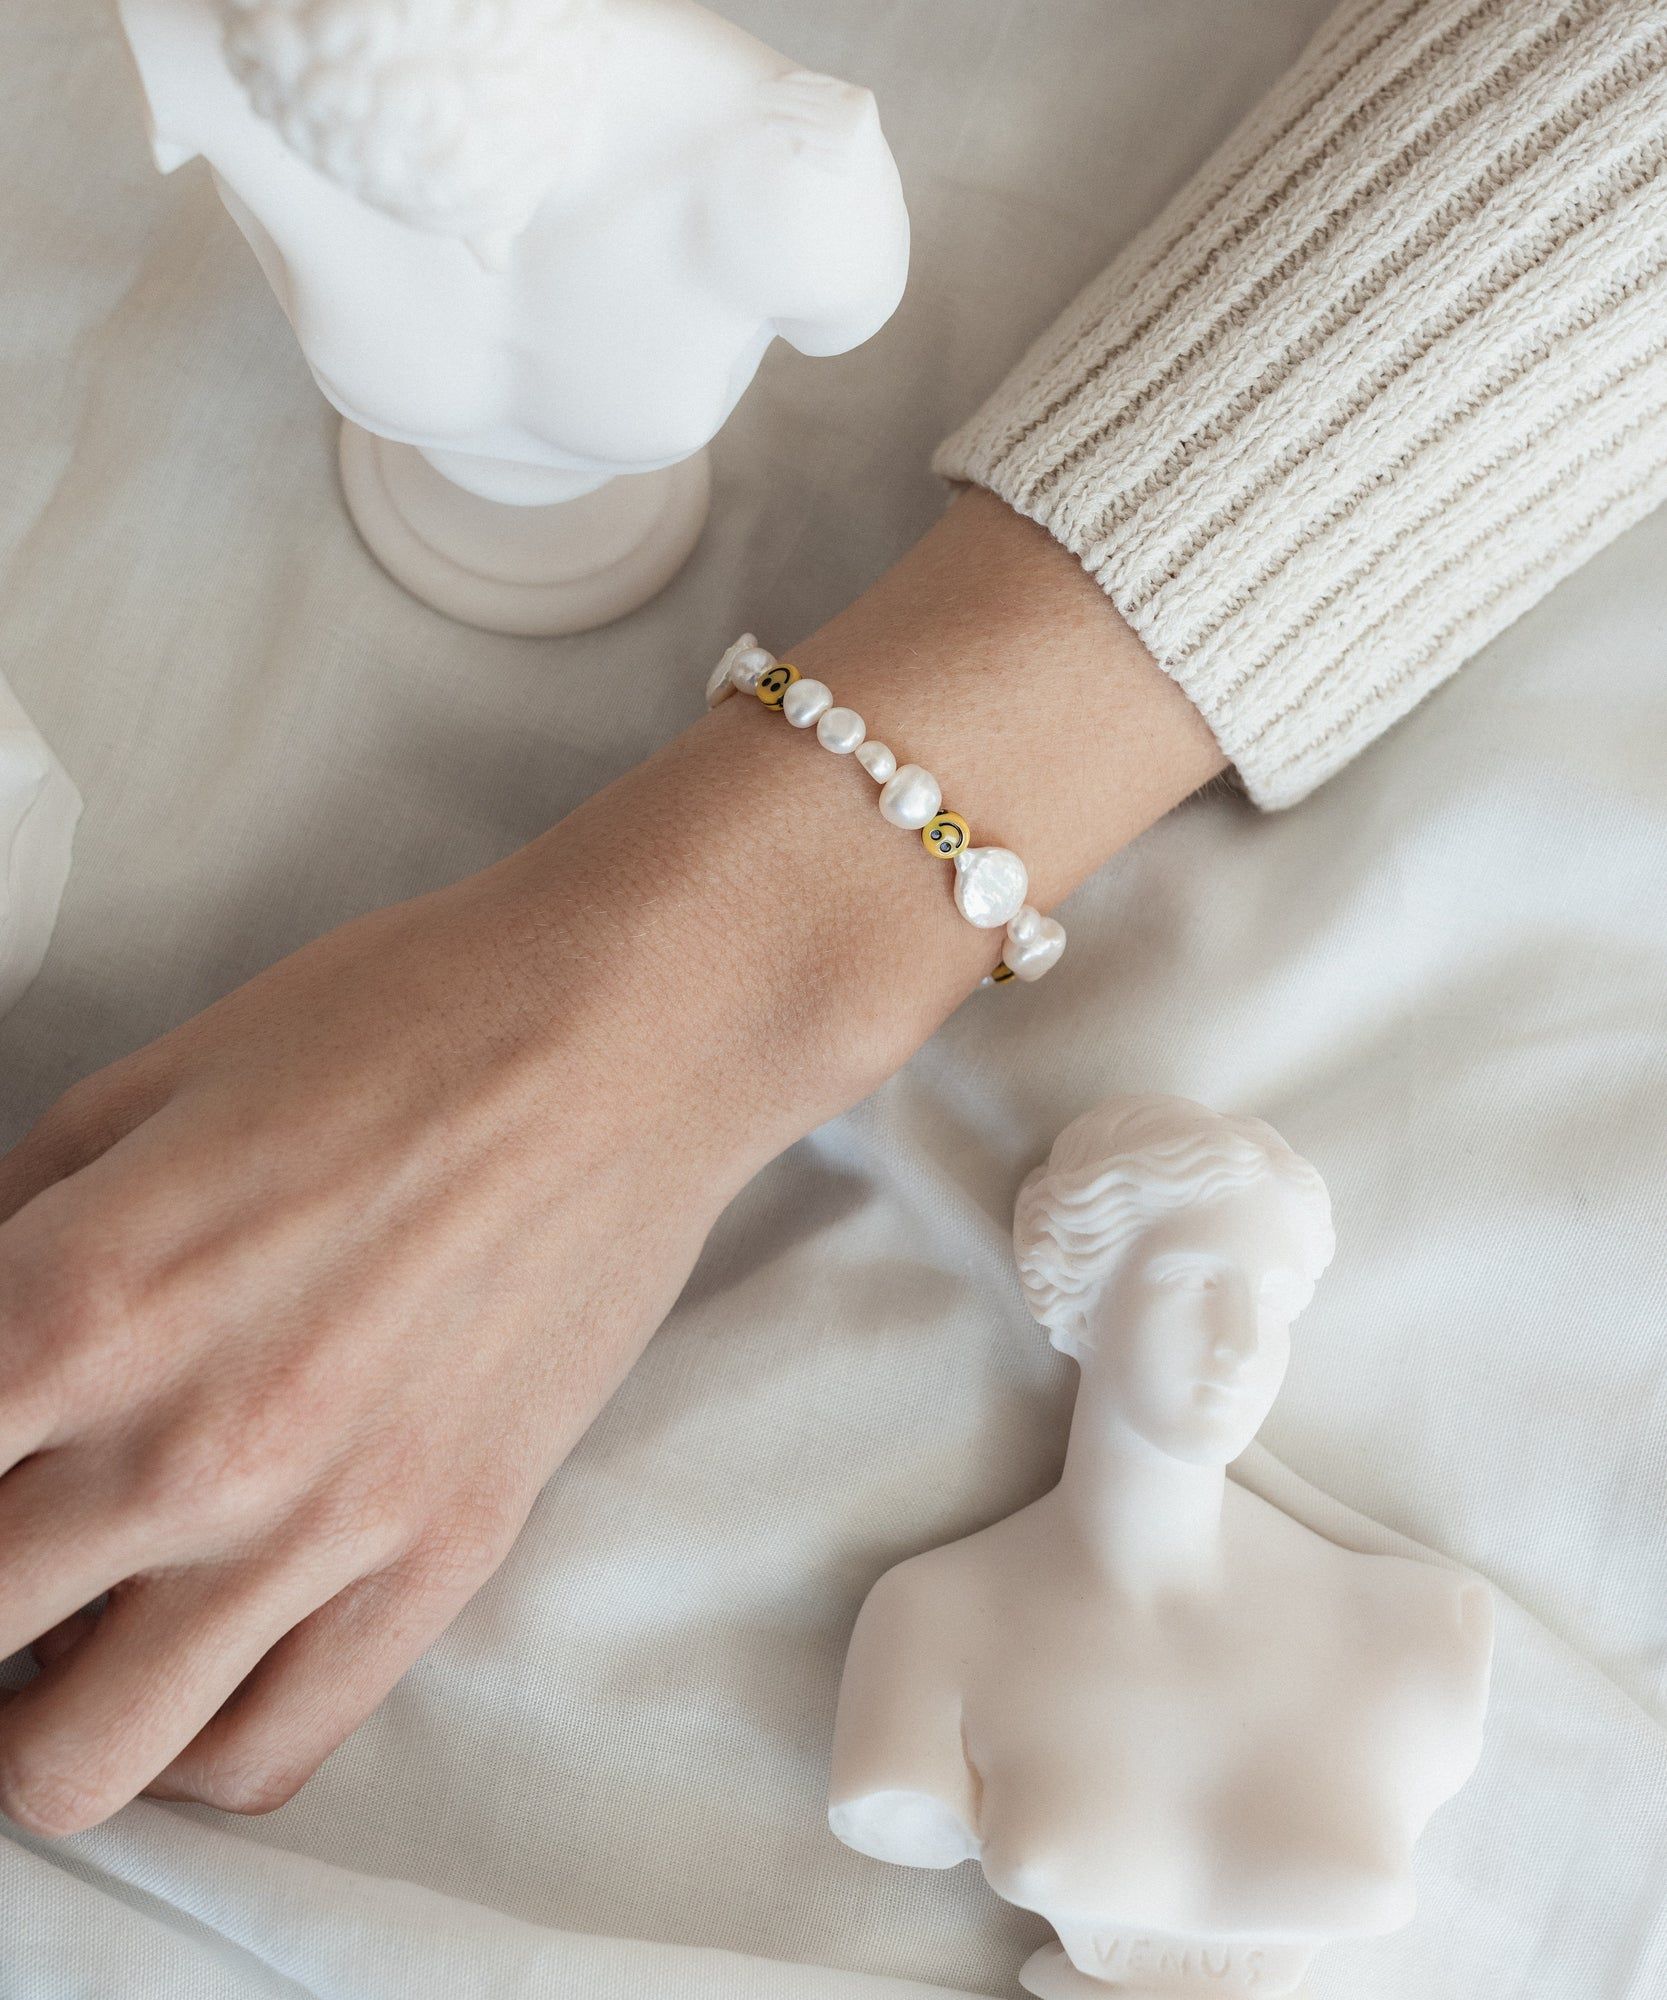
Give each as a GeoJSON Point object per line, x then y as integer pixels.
{"type": "Point", "coordinates": [1392, 364]}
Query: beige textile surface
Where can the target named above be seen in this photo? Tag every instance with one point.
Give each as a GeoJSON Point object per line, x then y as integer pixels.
{"type": "Point", "coordinates": [1442, 978]}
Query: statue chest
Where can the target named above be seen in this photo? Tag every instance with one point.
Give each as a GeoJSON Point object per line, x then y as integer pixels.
{"type": "Point", "coordinates": [1192, 1784]}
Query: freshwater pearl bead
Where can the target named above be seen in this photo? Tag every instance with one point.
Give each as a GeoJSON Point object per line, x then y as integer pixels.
{"type": "Point", "coordinates": [806, 702]}
{"type": "Point", "coordinates": [1035, 944]}
{"type": "Point", "coordinates": [721, 685]}
{"type": "Point", "coordinates": [911, 797]}
{"type": "Point", "coordinates": [750, 661]}
{"type": "Point", "coordinates": [990, 886]}
{"type": "Point", "coordinates": [841, 730]}
{"type": "Point", "coordinates": [877, 761]}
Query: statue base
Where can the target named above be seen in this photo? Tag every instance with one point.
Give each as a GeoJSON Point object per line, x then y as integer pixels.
{"type": "Point", "coordinates": [535, 572]}
{"type": "Point", "coordinates": [1174, 1972]}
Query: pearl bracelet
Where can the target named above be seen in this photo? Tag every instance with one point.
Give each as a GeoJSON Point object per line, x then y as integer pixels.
{"type": "Point", "coordinates": [990, 882]}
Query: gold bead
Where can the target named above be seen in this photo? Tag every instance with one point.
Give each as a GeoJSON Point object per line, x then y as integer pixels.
{"type": "Point", "coordinates": [946, 834]}
{"type": "Point", "coordinates": [1002, 974]}
{"type": "Point", "coordinates": [774, 682]}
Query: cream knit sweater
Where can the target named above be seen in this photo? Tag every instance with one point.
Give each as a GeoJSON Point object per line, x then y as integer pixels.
{"type": "Point", "coordinates": [1390, 366]}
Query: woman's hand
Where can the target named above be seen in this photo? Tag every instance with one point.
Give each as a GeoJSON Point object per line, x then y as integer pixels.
{"type": "Point", "coordinates": [301, 1306]}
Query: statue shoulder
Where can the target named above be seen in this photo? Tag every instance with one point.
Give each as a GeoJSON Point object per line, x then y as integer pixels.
{"type": "Point", "coordinates": [924, 1595]}
{"type": "Point", "coordinates": [1423, 1633]}
{"type": "Point", "coordinates": [1419, 1619]}
{"type": "Point", "coordinates": [804, 212]}
{"type": "Point", "coordinates": [901, 1789]}
{"type": "Point", "coordinates": [1445, 1615]}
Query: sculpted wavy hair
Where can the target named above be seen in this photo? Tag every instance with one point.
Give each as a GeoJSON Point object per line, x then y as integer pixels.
{"type": "Point", "coordinates": [1122, 1166]}
{"type": "Point", "coordinates": [447, 114]}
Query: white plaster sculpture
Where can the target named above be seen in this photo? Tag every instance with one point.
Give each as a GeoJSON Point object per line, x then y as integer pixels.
{"type": "Point", "coordinates": [1196, 1736]}
{"type": "Point", "coordinates": [38, 811]}
{"type": "Point", "coordinates": [534, 251]}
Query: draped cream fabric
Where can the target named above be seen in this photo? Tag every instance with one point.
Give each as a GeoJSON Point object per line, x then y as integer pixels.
{"type": "Point", "coordinates": [1441, 978]}
{"type": "Point", "coordinates": [38, 811]}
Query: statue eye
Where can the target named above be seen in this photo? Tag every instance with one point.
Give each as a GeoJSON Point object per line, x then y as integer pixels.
{"type": "Point", "coordinates": [1186, 1277]}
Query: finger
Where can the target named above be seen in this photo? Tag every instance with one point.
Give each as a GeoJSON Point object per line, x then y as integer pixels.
{"type": "Point", "coordinates": [67, 1534]}
{"type": "Point", "coordinates": [39, 1160]}
{"type": "Point", "coordinates": [91, 1731]}
{"type": "Point", "coordinates": [85, 1122]}
{"type": "Point", "coordinates": [62, 1640]}
{"type": "Point", "coordinates": [51, 1151]}
{"type": "Point", "coordinates": [45, 1278]}
{"type": "Point", "coordinates": [311, 1692]}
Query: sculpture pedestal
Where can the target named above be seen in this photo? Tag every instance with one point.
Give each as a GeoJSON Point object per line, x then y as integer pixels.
{"type": "Point", "coordinates": [1175, 1972]}
{"type": "Point", "coordinates": [535, 572]}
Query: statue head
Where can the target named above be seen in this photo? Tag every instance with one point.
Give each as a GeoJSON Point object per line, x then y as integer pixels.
{"type": "Point", "coordinates": [450, 115]}
{"type": "Point", "coordinates": [1170, 1248]}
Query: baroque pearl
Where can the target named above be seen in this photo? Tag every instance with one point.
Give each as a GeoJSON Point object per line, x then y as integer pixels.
{"type": "Point", "coordinates": [877, 761]}
{"type": "Point", "coordinates": [911, 797]}
{"type": "Point", "coordinates": [721, 684]}
{"type": "Point", "coordinates": [1035, 944]}
{"type": "Point", "coordinates": [841, 730]}
{"type": "Point", "coordinates": [990, 886]}
{"type": "Point", "coordinates": [806, 702]}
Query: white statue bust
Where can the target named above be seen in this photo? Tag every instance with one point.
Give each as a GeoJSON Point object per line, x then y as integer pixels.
{"type": "Point", "coordinates": [1197, 1737]}
{"type": "Point", "coordinates": [534, 251]}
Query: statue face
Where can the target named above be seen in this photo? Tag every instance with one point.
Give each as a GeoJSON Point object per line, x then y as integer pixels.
{"type": "Point", "coordinates": [1193, 1333]}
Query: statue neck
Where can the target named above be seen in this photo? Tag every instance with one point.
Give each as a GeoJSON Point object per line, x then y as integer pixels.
{"type": "Point", "coordinates": [1152, 1523]}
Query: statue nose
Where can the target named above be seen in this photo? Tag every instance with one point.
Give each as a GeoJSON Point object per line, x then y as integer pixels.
{"type": "Point", "coordinates": [1235, 1333]}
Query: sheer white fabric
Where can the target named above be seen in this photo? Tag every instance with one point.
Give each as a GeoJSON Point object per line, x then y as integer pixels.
{"type": "Point", "coordinates": [1441, 978]}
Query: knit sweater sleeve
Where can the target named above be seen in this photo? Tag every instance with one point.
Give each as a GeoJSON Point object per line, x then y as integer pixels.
{"type": "Point", "coordinates": [1391, 365]}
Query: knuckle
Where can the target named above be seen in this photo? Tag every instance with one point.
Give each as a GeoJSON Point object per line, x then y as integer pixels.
{"type": "Point", "coordinates": [206, 1473]}
{"type": "Point", "coordinates": [78, 1115]}
{"type": "Point", "coordinates": [69, 1325]}
{"type": "Point", "coordinates": [373, 1530]}
{"type": "Point", "coordinates": [79, 1300]}
{"type": "Point", "coordinates": [246, 1784]}
{"type": "Point", "coordinates": [466, 1549]}
{"type": "Point", "coordinates": [369, 1516]}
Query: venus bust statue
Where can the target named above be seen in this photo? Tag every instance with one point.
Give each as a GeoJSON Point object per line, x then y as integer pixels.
{"type": "Point", "coordinates": [1194, 1735]}
{"type": "Point", "coordinates": [533, 251]}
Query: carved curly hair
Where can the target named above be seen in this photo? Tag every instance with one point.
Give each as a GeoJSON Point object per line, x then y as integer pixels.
{"type": "Point", "coordinates": [447, 114]}
{"type": "Point", "coordinates": [1116, 1169]}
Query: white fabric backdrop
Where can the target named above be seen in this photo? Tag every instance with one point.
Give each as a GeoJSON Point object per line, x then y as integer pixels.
{"type": "Point", "coordinates": [1442, 979]}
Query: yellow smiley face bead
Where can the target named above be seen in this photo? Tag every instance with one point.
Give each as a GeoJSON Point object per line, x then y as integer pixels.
{"type": "Point", "coordinates": [946, 833]}
{"type": "Point", "coordinates": [774, 683]}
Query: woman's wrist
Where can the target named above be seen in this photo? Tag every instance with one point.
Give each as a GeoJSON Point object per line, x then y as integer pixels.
{"type": "Point", "coordinates": [762, 946]}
